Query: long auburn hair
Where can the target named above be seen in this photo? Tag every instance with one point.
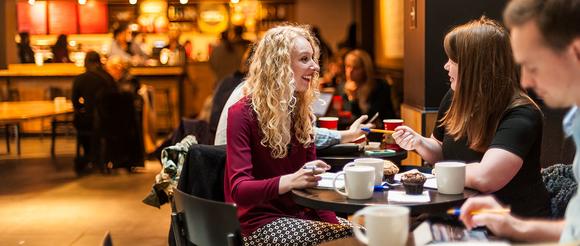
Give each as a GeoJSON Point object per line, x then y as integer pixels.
{"type": "Point", "coordinates": [365, 87]}
{"type": "Point", "coordinates": [280, 109]}
{"type": "Point", "coordinates": [487, 81]}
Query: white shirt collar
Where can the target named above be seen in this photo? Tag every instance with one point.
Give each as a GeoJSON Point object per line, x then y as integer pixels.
{"type": "Point", "coordinates": [569, 119]}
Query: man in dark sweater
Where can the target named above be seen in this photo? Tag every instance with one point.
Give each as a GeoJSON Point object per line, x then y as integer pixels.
{"type": "Point", "coordinates": [85, 90]}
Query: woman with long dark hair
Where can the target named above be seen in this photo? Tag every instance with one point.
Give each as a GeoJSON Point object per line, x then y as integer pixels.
{"type": "Point", "coordinates": [487, 120]}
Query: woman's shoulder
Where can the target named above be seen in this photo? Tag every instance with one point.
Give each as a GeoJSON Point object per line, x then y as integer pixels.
{"type": "Point", "coordinates": [526, 110]}
{"type": "Point", "coordinates": [242, 108]}
{"type": "Point", "coordinates": [523, 116]}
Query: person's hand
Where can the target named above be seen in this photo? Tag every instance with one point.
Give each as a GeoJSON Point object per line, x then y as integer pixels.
{"type": "Point", "coordinates": [502, 225]}
{"type": "Point", "coordinates": [355, 129]}
{"type": "Point", "coordinates": [407, 138]}
{"type": "Point", "coordinates": [305, 177]}
{"type": "Point", "coordinates": [358, 124]}
{"type": "Point", "coordinates": [350, 89]}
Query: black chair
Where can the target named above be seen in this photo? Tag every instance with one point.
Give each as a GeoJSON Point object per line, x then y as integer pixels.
{"type": "Point", "coordinates": [204, 222]}
{"type": "Point", "coordinates": [202, 176]}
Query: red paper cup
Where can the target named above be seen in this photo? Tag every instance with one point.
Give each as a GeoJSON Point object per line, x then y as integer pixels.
{"type": "Point", "coordinates": [391, 124]}
{"type": "Point", "coordinates": [337, 103]}
{"type": "Point", "coordinates": [328, 122]}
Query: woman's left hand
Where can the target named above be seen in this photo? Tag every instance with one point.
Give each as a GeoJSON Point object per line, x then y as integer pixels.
{"type": "Point", "coordinates": [305, 177]}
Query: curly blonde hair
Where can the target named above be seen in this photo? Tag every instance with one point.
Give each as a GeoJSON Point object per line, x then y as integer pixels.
{"type": "Point", "coordinates": [270, 84]}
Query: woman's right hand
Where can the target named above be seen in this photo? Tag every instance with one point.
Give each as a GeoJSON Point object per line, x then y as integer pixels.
{"type": "Point", "coordinates": [407, 138]}
{"type": "Point", "coordinates": [305, 177]}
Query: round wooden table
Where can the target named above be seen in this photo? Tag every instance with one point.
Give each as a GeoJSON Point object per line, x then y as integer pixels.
{"type": "Point", "coordinates": [327, 199]}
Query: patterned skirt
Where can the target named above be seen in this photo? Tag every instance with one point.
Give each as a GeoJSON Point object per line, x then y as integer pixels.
{"type": "Point", "coordinates": [292, 231]}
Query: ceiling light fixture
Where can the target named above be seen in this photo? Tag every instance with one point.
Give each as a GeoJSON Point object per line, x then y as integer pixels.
{"type": "Point", "coordinates": [133, 2]}
{"type": "Point", "coordinates": [82, 2]}
{"type": "Point", "coordinates": [31, 2]}
{"type": "Point", "coordinates": [183, 1]}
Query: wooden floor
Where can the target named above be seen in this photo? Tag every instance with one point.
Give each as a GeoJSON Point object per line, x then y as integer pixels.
{"type": "Point", "coordinates": [42, 202]}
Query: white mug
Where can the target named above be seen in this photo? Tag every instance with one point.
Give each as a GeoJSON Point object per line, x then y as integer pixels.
{"type": "Point", "coordinates": [385, 225]}
{"type": "Point", "coordinates": [358, 182]}
{"type": "Point", "coordinates": [450, 177]}
{"type": "Point", "coordinates": [378, 164]}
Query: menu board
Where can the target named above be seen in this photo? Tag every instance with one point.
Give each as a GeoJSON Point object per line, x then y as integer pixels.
{"type": "Point", "coordinates": [32, 18]}
{"type": "Point", "coordinates": [93, 17]}
{"type": "Point", "coordinates": [62, 17]}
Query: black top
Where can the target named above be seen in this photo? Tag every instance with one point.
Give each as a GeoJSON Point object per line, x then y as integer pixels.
{"type": "Point", "coordinates": [519, 132]}
{"type": "Point", "coordinates": [379, 100]}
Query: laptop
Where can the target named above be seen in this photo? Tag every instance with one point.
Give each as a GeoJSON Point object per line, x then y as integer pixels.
{"type": "Point", "coordinates": [321, 104]}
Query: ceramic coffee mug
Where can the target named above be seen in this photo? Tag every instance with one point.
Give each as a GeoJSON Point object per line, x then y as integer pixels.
{"type": "Point", "coordinates": [376, 163]}
{"type": "Point", "coordinates": [358, 181]}
{"type": "Point", "coordinates": [450, 177]}
{"type": "Point", "coordinates": [385, 225]}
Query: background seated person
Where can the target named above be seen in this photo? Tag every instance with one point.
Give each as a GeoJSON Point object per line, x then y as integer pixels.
{"type": "Point", "coordinates": [271, 138]}
{"type": "Point", "coordinates": [225, 88]}
{"type": "Point", "coordinates": [547, 45]}
{"type": "Point", "coordinates": [487, 120]}
{"type": "Point", "coordinates": [120, 118]}
{"type": "Point", "coordinates": [363, 93]}
{"type": "Point", "coordinates": [60, 49]}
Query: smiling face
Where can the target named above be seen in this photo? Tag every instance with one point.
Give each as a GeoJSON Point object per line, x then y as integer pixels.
{"type": "Point", "coordinates": [302, 63]}
{"type": "Point", "coordinates": [451, 68]}
{"type": "Point", "coordinates": [553, 75]}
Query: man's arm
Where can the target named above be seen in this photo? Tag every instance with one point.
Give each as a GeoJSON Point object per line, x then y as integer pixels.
{"type": "Point", "coordinates": [507, 225]}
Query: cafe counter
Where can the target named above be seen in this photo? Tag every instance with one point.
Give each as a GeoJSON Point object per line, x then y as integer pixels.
{"type": "Point", "coordinates": [179, 90]}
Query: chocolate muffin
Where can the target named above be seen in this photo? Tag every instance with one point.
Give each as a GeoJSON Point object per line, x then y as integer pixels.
{"type": "Point", "coordinates": [389, 171]}
{"type": "Point", "coordinates": [413, 182]}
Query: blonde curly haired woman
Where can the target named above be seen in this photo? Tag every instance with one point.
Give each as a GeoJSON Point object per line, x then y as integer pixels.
{"type": "Point", "coordinates": [270, 139]}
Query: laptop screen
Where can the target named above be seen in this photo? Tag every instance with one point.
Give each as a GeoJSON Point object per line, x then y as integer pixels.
{"type": "Point", "coordinates": [321, 104]}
